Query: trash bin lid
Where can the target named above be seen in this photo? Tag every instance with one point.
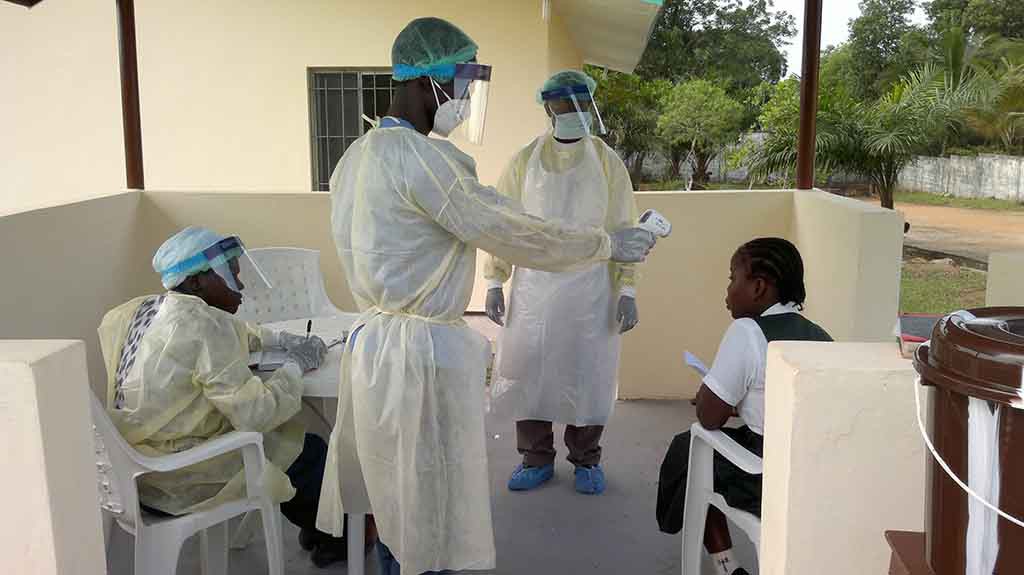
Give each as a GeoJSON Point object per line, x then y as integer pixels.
{"type": "Point", "coordinates": [979, 353]}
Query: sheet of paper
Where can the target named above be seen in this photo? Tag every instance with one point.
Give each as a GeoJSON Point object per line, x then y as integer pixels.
{"type": "Point", "coordinates": [268, 359]}
{"type": "Point", "coordinates": [695, 363]}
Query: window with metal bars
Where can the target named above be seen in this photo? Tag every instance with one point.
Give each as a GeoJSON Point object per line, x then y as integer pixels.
{"type": "Point", "coordinates": [338, 99]}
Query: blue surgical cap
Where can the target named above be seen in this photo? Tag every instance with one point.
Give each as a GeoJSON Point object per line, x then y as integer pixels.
{"type": "Point", "coordinates": [180, 248]}
{"type": "Point", "coordinates": [430, 47]}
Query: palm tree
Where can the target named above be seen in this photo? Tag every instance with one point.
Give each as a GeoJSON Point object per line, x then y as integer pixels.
{"type": "Point", "coordinates": [987, 73]}
{"type": "Point", "coordinates": [875, 140]}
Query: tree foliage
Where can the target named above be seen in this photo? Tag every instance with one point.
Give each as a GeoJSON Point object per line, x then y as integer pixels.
{"type": "Point", "coordinates": [881, 39]}
{"type": "Point", "coordinates": [1003, 18]}
{"type": "Point", "coordinates": [699, 119]}
{"type": "Point", "coordinates": [876, 139]}
{"type": "Point", "coordinates": [736, 44]}
{"type": "Point", "coordinates": [629, 106]}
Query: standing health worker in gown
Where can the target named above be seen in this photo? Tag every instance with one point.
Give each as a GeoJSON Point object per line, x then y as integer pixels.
{"type": "Point", "coordinates": [408, 215]}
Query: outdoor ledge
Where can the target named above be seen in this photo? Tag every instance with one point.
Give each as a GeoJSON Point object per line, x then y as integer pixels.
{"type": "Point", "coordinates": [844, 461]}
{"type": "Point", "coordinates": [1005, 279]}
{"type": "Point", "coordinates": [54, 520]}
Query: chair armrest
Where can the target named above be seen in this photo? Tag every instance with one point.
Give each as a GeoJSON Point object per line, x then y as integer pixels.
{"type": "Point", "coordinates": [727, 446]}
{"type": "Point", "coordinates": [226, 443]}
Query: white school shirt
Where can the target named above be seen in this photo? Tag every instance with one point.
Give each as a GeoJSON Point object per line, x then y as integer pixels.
{"type": "Point", "coordinates": [737, 375]}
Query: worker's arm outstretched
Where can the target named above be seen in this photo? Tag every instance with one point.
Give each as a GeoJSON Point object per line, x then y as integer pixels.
{"type": "Point", "coordinates": [481, 217]}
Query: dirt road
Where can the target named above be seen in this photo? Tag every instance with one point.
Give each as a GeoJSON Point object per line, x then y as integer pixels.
{"type": "Point", "coordinates": [964, 232]}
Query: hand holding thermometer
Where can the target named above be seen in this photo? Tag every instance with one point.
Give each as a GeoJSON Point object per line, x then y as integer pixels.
{"type": "Point", "coordinates": [655, 223]}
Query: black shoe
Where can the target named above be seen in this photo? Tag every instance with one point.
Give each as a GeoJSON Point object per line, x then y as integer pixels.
{"type": "Point", "coordinates": [308, 539]}
{"type": "Point", "coordinates": [740, 571]}
{"type": "Point", "coordinates": [330, 552]}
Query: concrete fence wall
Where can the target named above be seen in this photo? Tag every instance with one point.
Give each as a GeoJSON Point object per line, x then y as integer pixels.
{"type": "Point", "coordinates": [983, 176]}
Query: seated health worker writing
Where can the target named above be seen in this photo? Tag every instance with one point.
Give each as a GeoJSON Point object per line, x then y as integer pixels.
{"type": "Point", "coordinates": [178, 376]}
{"type": "Point", "coordinates": [765, 296]}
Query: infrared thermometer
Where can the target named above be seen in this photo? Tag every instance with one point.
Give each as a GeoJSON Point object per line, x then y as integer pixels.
{"type": "Point", "coordinates": [655, 223]}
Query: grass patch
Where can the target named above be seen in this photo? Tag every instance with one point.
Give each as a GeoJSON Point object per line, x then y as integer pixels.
{"type": "Point", "coordinates": [938, 289]}
{"type": "Point", "coordinates": [924, 198]}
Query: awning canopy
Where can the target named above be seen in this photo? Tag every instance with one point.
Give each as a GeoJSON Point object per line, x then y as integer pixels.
{"type": "Point", "coordinates": [612, 34]}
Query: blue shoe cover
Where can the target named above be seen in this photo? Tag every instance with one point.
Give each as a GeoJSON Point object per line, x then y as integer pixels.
{"type": "Point", "coordinates": [590, 480]}
{"type": "Point", "coordinates": [527, 478]}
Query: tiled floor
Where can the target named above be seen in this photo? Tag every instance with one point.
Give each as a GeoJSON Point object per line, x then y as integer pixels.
{"type": "Point", "coordinates": [552, 530]}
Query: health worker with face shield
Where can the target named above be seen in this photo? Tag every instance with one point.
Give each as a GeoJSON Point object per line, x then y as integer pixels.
{"type": "Point", "coordinates": [408, 216]}
{"type": "Point", "coordinates": [178, 376]}
{"type": "Point", "coordinates": [558, 355]}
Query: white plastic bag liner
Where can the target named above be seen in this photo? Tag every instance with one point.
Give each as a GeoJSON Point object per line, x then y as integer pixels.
{"type": "Point", "coordinates": [983, 478]}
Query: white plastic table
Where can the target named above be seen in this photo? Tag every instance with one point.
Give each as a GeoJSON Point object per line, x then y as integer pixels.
{"type": "Point", "coordinates": [323, 383]}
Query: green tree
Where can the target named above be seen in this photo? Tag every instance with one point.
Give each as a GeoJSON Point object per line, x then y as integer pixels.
{"type": "Point", "coordinates": [986, 17]}
{"type": "Point", "coordinates": [987, 74]}
{"type": "Point", "coordinates": [875, 140]}
{"type": "Point", "coordinates": [698, 121]}
{"type": "Point", "coordinates": [880, 40]}
{"type": "Point", "coordinates": [629, 106]}
{"type": "Point", "coordinates": [735, 43]}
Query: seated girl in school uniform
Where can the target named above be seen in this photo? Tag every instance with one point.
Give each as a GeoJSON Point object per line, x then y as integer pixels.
{"type": "Point", "coordinates": [765, 296]}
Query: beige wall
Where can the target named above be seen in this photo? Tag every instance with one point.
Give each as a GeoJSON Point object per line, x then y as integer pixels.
{"type": "Point", "coordinates": [682, 289]}
{"type": "Point", "coordinates": [65, 266]}
{"type": "Point", "coordinates": [844, 461]}
{"type": "Point", "coordinates": [51, 522]}
{"type": "Point", "coordinates": [262, 220]}
{"type": "Point", "coordinates": [1005, 279]}
{"type": "Point", "coordinates": [852, 255]}
{"type": "Point", "coordinates": [72, 275]}
{"type": "Point", "coordinates": [224, 84]}
{"type": "Point", "coordinates": [60, 106]}
{"type": "Point", "coordinates": [223, 88]}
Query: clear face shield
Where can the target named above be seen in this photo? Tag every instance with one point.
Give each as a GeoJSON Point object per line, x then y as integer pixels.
{"type": "Point", "coordinates": [574, 112]}
{"type": "Point", "coordinates": [223, 258]}
{"type": "Point", "coordinates": [462, 103]}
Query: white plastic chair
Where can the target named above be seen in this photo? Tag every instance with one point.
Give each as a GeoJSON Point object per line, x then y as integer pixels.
{"type": "Point", "coordinates": [700, 492]}
{"type": "Point", "coordinates": [298, 286]}
{"type": "Point", "coordinates": [158, 540]}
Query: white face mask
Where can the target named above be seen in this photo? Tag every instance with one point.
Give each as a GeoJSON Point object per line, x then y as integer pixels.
{"type": "Point", "coordinates": [450, 114]}
{"type": "Point", "coordinates": [573, 125]}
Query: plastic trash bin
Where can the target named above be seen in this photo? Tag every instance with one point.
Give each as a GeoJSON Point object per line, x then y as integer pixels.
{"type": "Point", "coordinates": [975, 362]}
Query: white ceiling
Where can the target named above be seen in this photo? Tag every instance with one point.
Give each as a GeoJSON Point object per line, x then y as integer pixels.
{"type": "Point", "coordinates": [610, 33]}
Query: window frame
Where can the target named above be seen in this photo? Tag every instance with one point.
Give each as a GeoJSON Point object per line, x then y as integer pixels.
{"type": "Point", "coordinates": [312, 95]}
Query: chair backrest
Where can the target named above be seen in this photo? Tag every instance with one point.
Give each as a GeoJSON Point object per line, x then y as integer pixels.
{"type": "Point", "coordinates": [116, 469]}
{"type": "Point", "coordinates": [297, 286]}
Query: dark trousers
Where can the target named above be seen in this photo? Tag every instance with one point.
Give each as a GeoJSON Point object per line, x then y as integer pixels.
{"type": "Point", "coordinates": [307, 475]}
{"type": "Point", "coordinates": [740, 489]}
{"type": "Point", "coordinates": [535, 440]}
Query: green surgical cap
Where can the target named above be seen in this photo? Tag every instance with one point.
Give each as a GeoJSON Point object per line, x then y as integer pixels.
{"type": "Point", "coordinates": [430, 47]}
{"type": "Point", "coordinates": [566, 78]}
